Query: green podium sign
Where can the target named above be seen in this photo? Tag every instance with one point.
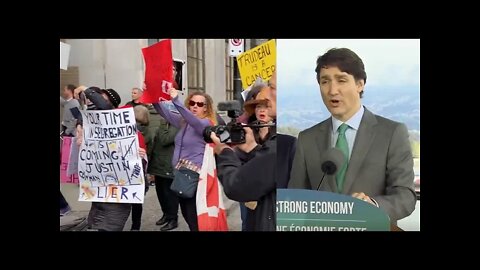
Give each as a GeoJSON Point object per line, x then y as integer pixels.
{"type": "Point", "coordinates": [311, 210]}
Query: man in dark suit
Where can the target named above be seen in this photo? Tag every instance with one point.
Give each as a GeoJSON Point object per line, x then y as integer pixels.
{"type": "Point", "coordinates": [379, 162]}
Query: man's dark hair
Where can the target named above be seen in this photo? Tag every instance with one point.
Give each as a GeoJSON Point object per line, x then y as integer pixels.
{"type": "Point", "coordinates": [71, 87]}
{"type": "Point", "coordinates": [345, 60]}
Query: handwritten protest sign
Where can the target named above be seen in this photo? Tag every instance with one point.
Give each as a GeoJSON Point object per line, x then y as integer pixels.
{"type": "Point", "coordinates": [67, 176]}
{"type": "Point", "coordinates": [257, 62]}
{"type": "Point", "coordinates": [109, 165]}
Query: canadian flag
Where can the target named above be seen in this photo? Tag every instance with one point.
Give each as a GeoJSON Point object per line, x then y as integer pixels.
{"type": "Point", "coordinates": [158, 71]}
{"type": "Point", "coordinates": [210, 208]}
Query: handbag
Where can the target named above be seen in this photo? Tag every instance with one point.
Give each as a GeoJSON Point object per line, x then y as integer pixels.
{"type": "Point", "coordinates": [185, 183]}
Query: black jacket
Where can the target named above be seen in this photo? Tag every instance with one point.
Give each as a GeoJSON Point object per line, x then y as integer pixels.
{"type": "Point", "coordinates": [161, 152]}
{"type": "Point", "coordinates": [286, 145]}
{"type": "Point", "coordinates": [253, 181]}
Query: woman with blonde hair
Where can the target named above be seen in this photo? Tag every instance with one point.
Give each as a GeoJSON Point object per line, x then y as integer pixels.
{"type": "Point", "coordinates": [192, 118]}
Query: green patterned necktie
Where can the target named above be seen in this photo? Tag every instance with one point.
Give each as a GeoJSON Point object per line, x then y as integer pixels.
{"type": "Point", "coordinates": [342, 145]}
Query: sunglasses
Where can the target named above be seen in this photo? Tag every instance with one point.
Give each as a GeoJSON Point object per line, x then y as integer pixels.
{"type": "Point", "coordinates": [192, 103]}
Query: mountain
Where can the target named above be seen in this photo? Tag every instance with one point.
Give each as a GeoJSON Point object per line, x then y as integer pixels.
{"type": "Point", "coordinates": [305, 108]}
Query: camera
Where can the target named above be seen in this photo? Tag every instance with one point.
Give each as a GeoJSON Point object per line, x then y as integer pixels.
{"type": "Point", "coordinates": [233, 132]}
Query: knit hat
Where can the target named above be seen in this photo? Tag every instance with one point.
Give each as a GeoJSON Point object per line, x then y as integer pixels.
{"type": "Point", "coordinates": [113, 96]}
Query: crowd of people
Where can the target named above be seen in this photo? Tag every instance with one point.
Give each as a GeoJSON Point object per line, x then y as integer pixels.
{"type": "Point", "coordinates": [173, 142]}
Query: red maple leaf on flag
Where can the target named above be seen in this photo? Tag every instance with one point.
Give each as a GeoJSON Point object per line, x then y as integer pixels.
{"type": "Point", "coordinates": [158, 71]}
{"type": "Point", "coordinates": [211, 211]}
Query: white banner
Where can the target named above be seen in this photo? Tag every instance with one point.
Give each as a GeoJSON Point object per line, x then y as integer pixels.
{"type": "Point", "coordinates": [64, 54]}
{"type": "Point", "coordinates": [109, 165]}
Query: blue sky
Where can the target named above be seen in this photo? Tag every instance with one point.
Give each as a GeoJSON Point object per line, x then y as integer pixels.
{"type": "Point", "coordinates": [392, 66]}
{"type": "Point", "coordinates": [296, 59]}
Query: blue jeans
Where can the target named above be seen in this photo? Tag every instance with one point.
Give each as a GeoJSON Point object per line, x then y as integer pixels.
{"type": "Point", "coordinates": [243, 215]}
{"type": "Point", "coordinates": [188, 206]}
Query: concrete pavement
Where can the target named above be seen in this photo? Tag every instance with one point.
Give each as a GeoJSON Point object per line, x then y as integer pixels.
{"type": "Point", "coordinates": [151, 210]}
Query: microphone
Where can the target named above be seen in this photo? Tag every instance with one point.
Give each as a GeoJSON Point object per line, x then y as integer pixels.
{"type": "Point", "coordinates": [232, 105]}
{"type": "Point", "coordinates": [233, 108]}
{"type": "Point", "coordinates": [331, 161]}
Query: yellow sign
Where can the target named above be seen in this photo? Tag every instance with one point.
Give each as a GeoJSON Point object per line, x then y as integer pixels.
{"type": "Point", "coordinates": [257, 62]}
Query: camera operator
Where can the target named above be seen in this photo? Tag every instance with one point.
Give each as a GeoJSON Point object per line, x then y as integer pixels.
{"type": "Point", "coordinates": [249, 174]}
{"type": "Point", "coordinates": [255, 113]}
{"type": "Point", "coordinates": [263, 172]}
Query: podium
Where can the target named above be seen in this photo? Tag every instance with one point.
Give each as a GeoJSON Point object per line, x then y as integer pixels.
{"type": "Point", "coordinates": [311, 210]}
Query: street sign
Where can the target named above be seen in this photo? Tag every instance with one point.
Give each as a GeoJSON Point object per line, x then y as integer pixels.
{"type": "Point", "coordinates": [236, 47]}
